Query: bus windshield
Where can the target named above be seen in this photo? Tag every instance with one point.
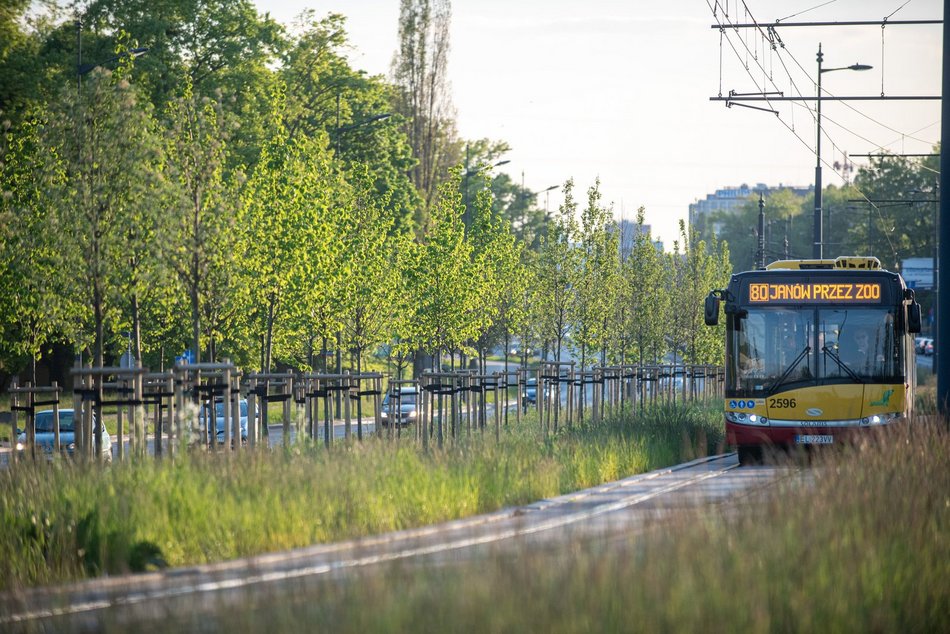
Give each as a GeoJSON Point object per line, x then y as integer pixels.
{"type": "Point", "coordinates": [773, 347]}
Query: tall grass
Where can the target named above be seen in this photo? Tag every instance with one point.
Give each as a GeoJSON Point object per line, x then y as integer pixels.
{"type": "Point", "coordinates": [861, 544]}
{"type": "Point", "coordinates": [66, 521]}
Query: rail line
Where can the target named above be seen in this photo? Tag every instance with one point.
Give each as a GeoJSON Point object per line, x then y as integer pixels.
{"type": "Point", "coordinates": [658, 488]}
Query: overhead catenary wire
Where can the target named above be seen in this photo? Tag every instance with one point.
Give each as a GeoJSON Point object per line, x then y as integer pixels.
{"type": "Point", "coordinates": [758, 28]}
{"type": "Point", "coordinates": [799, 93]}
{"type": "Point", "coordinates": [794, 15]}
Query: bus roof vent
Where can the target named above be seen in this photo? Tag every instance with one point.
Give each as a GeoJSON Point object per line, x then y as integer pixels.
{"type": "Point", "coordinates": [801, 264]}
{"type": "Point", "coordinates": [858, 262]}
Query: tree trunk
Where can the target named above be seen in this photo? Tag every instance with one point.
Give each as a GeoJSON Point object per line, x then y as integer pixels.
{"type": "Point", "coordinates": [136, 327]}
{"type": "Point", "coordinates": [268, 346]}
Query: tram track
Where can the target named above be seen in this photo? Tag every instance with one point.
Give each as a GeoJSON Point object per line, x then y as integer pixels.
{"type": "Point", "coordinates": [701, 481]}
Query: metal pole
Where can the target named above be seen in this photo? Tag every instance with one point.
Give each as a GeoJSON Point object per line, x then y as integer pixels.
{"type": "Point", "coordinates": [816, 250]}
{"type": "Point", "coordinates": [761, 232]}
{"type": "Point", "coordinates": [465, 218]}
{"type": "Point", "coordinates": [936, 273]}
{"type": "Point", "coordinates": [943, 312]}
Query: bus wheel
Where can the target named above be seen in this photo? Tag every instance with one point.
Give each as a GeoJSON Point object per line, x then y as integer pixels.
{"type": "Point", "coordinates": [750, 454]}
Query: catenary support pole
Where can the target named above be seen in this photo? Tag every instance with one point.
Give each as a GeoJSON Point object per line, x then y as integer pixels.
{"type": "Point", "coordinates": [943, 310]}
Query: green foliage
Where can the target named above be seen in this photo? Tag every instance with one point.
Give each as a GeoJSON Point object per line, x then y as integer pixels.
{"type": "Point", "coordinates": [204, 234]}
{"type": "Point", "coordinates": [441, 278]}
{"type": "Point", "coordinates": [788, 217]}
{"type": "Point", "coordinates": [696, 271]}
{"type": "Point", "coordinates": [325, 94]}
{"type": "Point", "coordinates": [369, 283]}
{"type": "Point", "coordinates": [32, 308]}
{"type": "Point", "coordinates": [266, 212]}
{"type": "Point", "coordinates": [557, 273]}
{"type": "Point", "coordinates": [597, 282]}
{"type": "Point", "coordinates": [290, 228]}
{"type": "Point", "coordinates": [644, 302]}
{"type": "Point", "coordinates": [897, 218]}
{"type": "Point", "coordinates": [66, 521]}
{"type": "Point", "coordinates": [888, 212]}
{"type": "Point", "coordinates": [102, 160]}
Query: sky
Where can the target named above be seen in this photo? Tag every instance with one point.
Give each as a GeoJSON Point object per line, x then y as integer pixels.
{"type": "Point", "coordinates": [620, 89]}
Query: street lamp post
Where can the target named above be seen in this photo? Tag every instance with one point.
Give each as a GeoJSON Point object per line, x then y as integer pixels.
{"type": "Point", "coordinates": [466, 218]}
{"type": "Point", "coordinates": [547, 194]}
{"type": "Point", "coordinates": [817, 249]}
{"type": "Point", "coordinates": [338, 401]}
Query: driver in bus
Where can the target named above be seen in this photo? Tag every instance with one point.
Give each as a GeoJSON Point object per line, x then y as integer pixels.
{"type": "Point", "coordinates": [858, 354]}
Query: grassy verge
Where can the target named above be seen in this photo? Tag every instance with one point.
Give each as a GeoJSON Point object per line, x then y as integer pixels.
{"type": "Point", "coordinates": [864, 548]}
{"type": "Point", "coordinates": [66, 521]}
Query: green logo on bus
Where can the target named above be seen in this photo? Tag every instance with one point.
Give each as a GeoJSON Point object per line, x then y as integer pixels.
{"type": "Point", "coordinates": [883, 400]}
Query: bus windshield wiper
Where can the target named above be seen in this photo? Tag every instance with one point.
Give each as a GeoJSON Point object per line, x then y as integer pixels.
{"type": "Point", "coordinates": [790, 369]}
{"type": "Point", "coordinates": [842, 364]}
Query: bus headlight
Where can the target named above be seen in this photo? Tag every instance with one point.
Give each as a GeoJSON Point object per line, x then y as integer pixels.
{"type": "Point", "coordinates": [746, 419]}
{"type": "Point", "coordinates": [880, 419]}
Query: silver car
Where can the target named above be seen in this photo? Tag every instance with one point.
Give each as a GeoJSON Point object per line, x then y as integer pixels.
{"type": "Point", "coordinates": [219, 422]}
{"type": "Point", "coordinates": [45, 435]}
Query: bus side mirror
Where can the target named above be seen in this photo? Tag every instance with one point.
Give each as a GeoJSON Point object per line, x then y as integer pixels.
{"type": "Point", "coordinates": [711, 310]}
{"type": "Point", "coordinates": [913, 318]}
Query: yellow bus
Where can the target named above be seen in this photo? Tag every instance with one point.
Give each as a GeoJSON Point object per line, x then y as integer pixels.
{"type": "Point", "coordinates": [816, 350]}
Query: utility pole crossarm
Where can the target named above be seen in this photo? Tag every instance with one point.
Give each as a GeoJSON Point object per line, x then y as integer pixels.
{"type": "Point", "coordinates": [775, 25]}
{"type": "Point", "coordinates": [758, 97]}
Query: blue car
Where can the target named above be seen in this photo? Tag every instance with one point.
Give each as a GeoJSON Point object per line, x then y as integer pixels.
{"type": "Point", "coordinates": [45, 435]}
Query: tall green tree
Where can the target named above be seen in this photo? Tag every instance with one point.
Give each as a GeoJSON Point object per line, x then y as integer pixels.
{"type": "Point", "coordinates": [495, 283]}
{"type": "Point", "coordinates": [420, 74]}
{"type": "Point", "coordinates": [326, 95]}
{"type": "Point", "coordinates": [441, 279]}
{"type": "Point", "coordinates": [594, 295]}
{"type": "Point", "coordinates": [370, 283]}
{"type": "Point", "coordinates": [557, 269]}
{"type": "Point", "coordinates": [644, 299]}
{"type": "Point", "coordinates": [288, 221]}
{"type": "Point", "coordinates": [895, 218]}
{"type": "Point", "coordinates": [223, 48]}
{"type": "Point", "coordinates": [104, 156]}
{"type": "Point", "coordinates": [34, 306]}
{"type": "Point", "coordinates": [205, 206]}
{"type": "Point", "coordinates": [696, 269]}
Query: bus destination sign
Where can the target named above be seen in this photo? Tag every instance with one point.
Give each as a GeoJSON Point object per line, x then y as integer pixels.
{"type": "Point", "coordinates": [814, 292]}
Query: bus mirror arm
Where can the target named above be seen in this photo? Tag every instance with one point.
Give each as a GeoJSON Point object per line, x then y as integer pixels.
{"type": "Point", "coordinates": [711, 310]}
{"type": "Point", "coordinates": [711, 307]}
{"type": "Point", "coordinates": [913, 318]}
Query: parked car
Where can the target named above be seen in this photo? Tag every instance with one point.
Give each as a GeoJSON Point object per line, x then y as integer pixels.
{"type": "Point", "coordinates": [220, 422]}
{"type": "Point", "coordinates": [45, 435]}
{"type": "Point", "coordinates": [924, 345]}
{"type": "Point", "coordinates": [408, 410]}
{"type": "Point", "coordinates": [529, 393]}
